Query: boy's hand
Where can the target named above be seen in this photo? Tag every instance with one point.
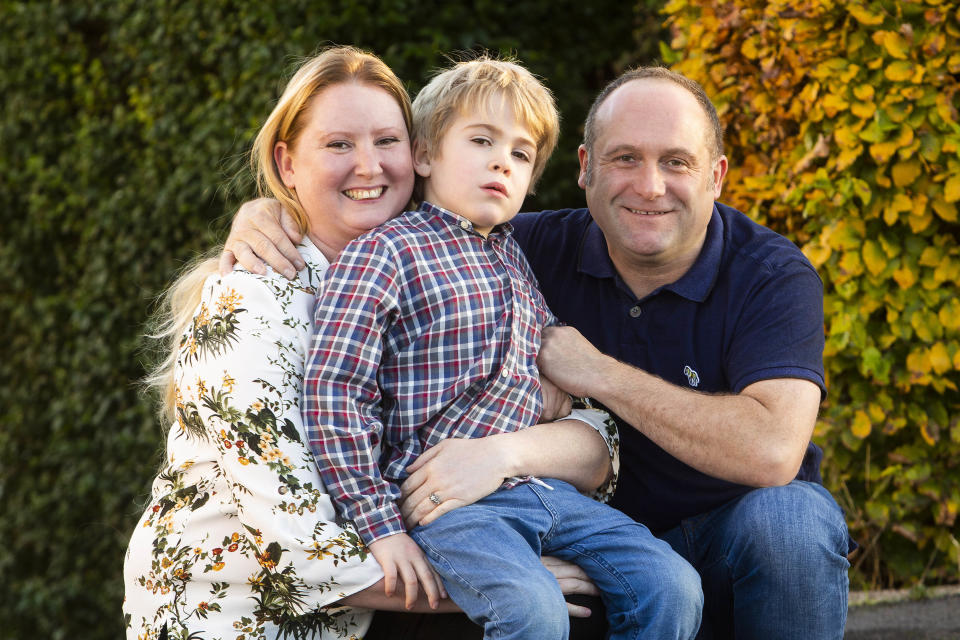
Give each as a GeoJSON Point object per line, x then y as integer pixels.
{"type": "Point", "coordinates": [557, 403]}
{"type": "Point", "coordinates": [263, 229]}
{"type": "Point", "coordinates": [399, 556]}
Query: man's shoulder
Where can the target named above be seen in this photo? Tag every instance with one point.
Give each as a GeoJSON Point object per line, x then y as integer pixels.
{"type": "Point", "coordinates": [748, 242]}
{"type": "Point", "coordinates": [551, 228]}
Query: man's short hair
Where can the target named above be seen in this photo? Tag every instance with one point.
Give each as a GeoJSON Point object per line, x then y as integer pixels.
{"type": "Point", "coordinates": [477, 83]}
{"type": "Point", "coordinates": [656, 73]}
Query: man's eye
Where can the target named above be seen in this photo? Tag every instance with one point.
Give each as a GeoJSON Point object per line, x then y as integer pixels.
{"type": "Point", "coordinates": [625, 158]}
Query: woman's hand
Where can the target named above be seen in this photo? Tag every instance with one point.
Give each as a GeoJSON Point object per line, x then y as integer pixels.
{"type": "Point", "coordinates": [572, 580]}
{"type": "Point", "coordinates": [458, 472]}
{"type": "Point", "coordinates": [557, 403]}
{"type": "Point", "coordinates": [400, 557]}
{"type": "Point", "coordinates": [262, 231]}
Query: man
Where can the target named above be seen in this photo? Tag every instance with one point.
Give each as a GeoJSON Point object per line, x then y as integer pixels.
{"type": "Point", "coordinates": [703, 333]}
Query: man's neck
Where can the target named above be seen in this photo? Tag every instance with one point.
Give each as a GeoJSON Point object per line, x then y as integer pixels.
{"type": "Point", "coordinates": [643, 278]}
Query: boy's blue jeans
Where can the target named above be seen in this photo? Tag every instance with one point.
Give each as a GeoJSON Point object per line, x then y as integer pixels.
{"type": "Point", "coordinates": [488, 554]}
{"type": "Point", "coordinates": [772, 563]}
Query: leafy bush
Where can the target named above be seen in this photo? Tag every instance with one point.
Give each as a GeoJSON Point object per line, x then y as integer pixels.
{"type": "Point", "coordinates": [843, 133]}
{"type": "Point", "coordinates": [123, 125]}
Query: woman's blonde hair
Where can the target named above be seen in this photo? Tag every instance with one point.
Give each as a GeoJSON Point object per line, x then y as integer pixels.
{"type": "Point", "coordinates": [179, 302]}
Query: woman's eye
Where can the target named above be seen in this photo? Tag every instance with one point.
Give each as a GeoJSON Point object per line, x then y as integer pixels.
{"type": "Point", "coordinates": [388, 141]}
{"type": "Point", "coordinates": [338, 144]}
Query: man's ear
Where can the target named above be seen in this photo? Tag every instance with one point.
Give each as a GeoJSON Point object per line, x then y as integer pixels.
{"type": "Point", "coordinates": [719, 171]}
{"type": "Point", "coordinates": [584, 158]}
{"type": "Point", "coordinates": [284, 161]}
{"type": "Point", "coordinates": [421, 159]}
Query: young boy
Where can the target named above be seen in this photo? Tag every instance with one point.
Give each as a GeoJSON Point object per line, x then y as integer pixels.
{"type": "Point", "coordinates": [428, 328]}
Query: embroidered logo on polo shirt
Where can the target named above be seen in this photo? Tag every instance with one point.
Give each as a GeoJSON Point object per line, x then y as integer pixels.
{"type": "Point", "coordinates": [692, 376]}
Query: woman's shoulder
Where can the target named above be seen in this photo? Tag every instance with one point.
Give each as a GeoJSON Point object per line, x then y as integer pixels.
{"type": "Point", "coordinates": [276, 284]}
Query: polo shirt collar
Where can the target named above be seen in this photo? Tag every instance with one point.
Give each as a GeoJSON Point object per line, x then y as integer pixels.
{"type": "Point", "coordinates": [694, 285]}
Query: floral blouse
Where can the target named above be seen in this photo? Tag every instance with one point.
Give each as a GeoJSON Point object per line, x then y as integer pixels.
{"type": "Point", "coordinates": [240, 540]}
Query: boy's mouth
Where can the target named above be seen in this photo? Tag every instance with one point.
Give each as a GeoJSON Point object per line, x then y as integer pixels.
{"type": "Point", "coordinates": [364, 194]}
{"type": "Point", "coordinates": [495, 186]}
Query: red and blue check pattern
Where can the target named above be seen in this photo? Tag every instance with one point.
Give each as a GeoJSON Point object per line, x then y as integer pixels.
{"type": "Point", "coordinates": [425, 330]}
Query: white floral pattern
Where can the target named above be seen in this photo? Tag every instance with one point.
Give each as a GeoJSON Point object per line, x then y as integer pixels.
{"type": "Point", "coordinates": [240, 540]}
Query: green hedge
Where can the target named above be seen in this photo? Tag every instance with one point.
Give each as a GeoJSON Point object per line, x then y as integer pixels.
{"type": "Point", "coordinates": [124, 126]}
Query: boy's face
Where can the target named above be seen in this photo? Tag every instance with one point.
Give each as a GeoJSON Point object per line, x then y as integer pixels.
{"type": "Point", "coordinates": [482, 167]}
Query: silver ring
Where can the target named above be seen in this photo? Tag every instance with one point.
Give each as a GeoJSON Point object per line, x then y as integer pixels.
{"type": "Point", "coordinates": [435, 499]}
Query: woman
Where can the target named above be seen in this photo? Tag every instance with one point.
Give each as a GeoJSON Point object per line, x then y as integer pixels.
{"type": "Point", "coordinates": [240, 540]}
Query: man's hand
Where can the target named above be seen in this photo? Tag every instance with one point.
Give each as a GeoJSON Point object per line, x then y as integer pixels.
{"type": "Point", "coordinates": [572, 580]}
{"type": "Point", "coordinates": [570, 361]}
{"type": "Point", "coordinates": [458, 472]}
{"type": "Point", "coordinates": [557, 403]}
{"type": "Point", "coordinates": [399, 556]}
{"type": "Point", "coordinates": [263, 230]}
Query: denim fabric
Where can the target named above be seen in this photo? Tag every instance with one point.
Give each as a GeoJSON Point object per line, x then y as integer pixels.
{"type": "Point", "coordinates": [772, 563]}
{"type": "Point", "coordinates": [488, 555]}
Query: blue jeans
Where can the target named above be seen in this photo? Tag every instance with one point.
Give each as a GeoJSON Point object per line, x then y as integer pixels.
{"type": "Point", "coordinates": [488, 554]}
{"type": "Point", "coordinates": [773, 564]}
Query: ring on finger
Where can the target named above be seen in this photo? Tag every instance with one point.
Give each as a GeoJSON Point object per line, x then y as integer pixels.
{"type": "Point", "coordinates": [435, 499]}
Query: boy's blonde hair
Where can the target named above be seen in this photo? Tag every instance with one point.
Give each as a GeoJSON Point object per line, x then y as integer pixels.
{"type": "Point", "coordinates": [476, 83]}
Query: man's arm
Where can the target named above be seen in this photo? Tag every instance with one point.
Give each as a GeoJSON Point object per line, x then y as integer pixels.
{"type": "Point", "coordinates": [757, 437]}
{"type": "Point", "coordinates": [263, 231]}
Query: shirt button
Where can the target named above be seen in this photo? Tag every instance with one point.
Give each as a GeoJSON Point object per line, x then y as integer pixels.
{"type": "Point", "coordinates": [635, 311]}
{"type": "Point", "coordinates": [504, 373]}
{"type": "Point", "coordinates": [464, 225]}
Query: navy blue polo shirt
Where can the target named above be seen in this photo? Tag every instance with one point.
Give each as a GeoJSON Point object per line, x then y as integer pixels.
{"type": "Point", "coordinates": [750, 308]}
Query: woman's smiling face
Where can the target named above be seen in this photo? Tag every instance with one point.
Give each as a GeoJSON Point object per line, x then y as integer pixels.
{"type": "Point", "coordinates": [351, 166]}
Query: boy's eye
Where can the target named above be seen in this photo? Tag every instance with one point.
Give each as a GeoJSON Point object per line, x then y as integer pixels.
{"type": "Point", "coordinates": [480, 140]}
{"type": "Point", "coordinates": [522, 155]}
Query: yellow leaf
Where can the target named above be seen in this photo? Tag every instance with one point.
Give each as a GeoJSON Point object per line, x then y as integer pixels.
{"type": "Point", "coordinates": [949, 315]}
{"type": "Point", "coordinates": [925, 324]}
{"type": "Point", "coordinates": [850, 263]}
{"type": "Point", "coordinates": [861, 425]}
{"type": "Point", "coordinates": [920, 222]}
{"type": "Point", "coordinates": [930, 439]}
{"type": "Point", "coordinates": [863, 109]}
{"type": "Point", "coordinates": [876, 412]}
{"type": "Point", "coordinates": [832, 104]}
{"type": "Point", "coordinates": [848, 156]}
{"type": "Point", "coordinates": [863, 92]}
{"type": "Point", "coordinates": [918, 361]}
{"type": "Point", "coordinates": [905, 173]}
{"type": "Point", "coordinates": [874, 257]}
{"type": "Point", "coordinates": [895, 44]}
{"type": "Point", "coordinates": [846, 136]}
{"type": "Point", "coordinates": [882, 151]}
{"type": "Point", "coordinates": [899, 71]}
{"type": "Point", "coordinates": [940, 358]}
{"type": "Point", "coordinates": [946, 211]}
{"type": "Point", "coordinates": [951, 190]}
{"type": "Point", "coordinates": [864, 15]}
{"type": "Point", "coordinates": [905, 276]}
{"type": "Point", "coordinates": [930, 257]}
{"type": "Point", "coordinates": [817, 253]}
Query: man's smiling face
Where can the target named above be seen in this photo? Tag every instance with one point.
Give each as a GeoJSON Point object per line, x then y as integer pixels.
{"type": "Point", "coordinates": [651, 179]}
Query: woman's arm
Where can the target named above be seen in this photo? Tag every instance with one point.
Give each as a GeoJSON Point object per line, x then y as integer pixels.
{"type": "Point", "coordinates": [461, 471]}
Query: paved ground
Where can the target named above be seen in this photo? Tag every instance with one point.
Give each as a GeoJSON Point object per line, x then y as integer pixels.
{"type": "Point", "coordinates": [894, 616]}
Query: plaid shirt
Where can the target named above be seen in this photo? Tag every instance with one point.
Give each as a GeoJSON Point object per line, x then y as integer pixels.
{"type": "Point", "coordinates": [425, 330]}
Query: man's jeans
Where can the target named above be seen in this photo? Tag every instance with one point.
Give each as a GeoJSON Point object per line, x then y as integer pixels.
{"type": "Point", "coordinates": [488, 555]}
{"type": "Point", "coordinates": [772, 563]}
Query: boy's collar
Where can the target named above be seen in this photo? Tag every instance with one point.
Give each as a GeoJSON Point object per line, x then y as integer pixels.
{"type": "Point", "coordinates": [504, 228]}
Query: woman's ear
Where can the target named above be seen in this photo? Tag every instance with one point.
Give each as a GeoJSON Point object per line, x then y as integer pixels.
{"type": "Point", "coordinates": [421, 159]}
{"type": "Point", "coordinates": [284, 161]}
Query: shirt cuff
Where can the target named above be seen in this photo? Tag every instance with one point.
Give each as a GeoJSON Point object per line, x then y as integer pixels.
{"type": "Point", "coordinates": [605, 425]}
{"type": "Point", "coordinates": [380, 523]}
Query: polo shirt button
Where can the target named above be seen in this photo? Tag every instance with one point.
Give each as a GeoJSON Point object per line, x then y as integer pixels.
{"type": "Point", "coordinates": [635, 311]}
{"type": "Point", "coordinates": [464, 225]}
